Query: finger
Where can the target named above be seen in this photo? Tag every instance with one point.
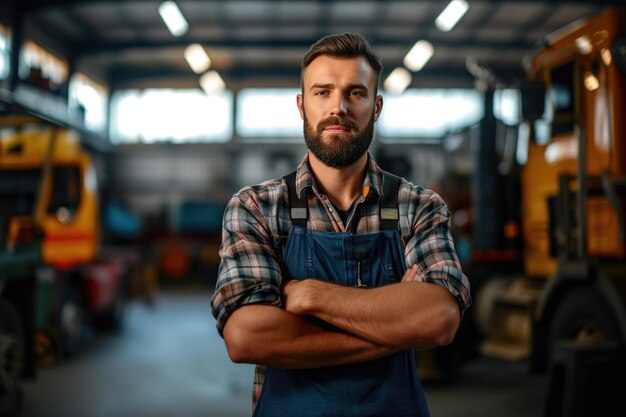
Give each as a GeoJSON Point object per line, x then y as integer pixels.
{"type": "Point", "coordinates": [410, 274]}
{"type": "Point", "coordinates": [407, 275]}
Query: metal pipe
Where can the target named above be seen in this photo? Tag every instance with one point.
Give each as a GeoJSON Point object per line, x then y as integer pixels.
{"type": "Point", "coordinates": [581, 195]}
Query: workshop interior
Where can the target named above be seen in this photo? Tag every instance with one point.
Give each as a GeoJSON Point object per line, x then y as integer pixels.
{"type": "Point", "coordinates": [127, 126]}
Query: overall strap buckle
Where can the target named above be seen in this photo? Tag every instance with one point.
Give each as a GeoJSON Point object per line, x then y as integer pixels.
{"type": "Point", "coordinates": [299, 208]}
{"type": "Point", "coordinates": [389, 216]}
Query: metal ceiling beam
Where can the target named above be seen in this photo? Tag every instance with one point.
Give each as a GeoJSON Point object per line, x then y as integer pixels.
{"type": "Point", "coordinates": [36, 5]}
{"type": "Point", "coordinates": [125, 77]}
{"type": "Point", "coordinates": [94, 48]}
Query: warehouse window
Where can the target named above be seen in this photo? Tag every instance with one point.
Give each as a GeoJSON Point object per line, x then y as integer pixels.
{"type": "Point", "coordinates": [5, 53]}
{"type": "Point", "coordinates": [268, 113]}
{"type": "Point", "coordinates": [429, 113]}
{"type": "Point", "coordinates": [91, 97]}
{"type": "Point", "coordinates": [40, 68]}
{"type": "Point", "coordinates": [166, 115]}
{"type": "Point", "coordinates": [506, 106]}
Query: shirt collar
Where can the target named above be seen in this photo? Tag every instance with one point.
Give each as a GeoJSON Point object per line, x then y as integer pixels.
{"type": "Point", "coordinates": [372, 181]}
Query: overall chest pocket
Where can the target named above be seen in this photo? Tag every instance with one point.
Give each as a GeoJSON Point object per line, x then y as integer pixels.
{"type": "Point", "coordinates": [346, 259]}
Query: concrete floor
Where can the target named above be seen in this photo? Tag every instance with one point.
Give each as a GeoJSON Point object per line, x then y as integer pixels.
{"type": "Point", "coordinates": [169, 361]}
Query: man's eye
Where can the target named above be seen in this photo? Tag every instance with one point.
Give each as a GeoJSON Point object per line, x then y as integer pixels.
{"type": "Point", "coordinates": [321, 93]}
{"type": "Point", "coordinates": [357, 93]}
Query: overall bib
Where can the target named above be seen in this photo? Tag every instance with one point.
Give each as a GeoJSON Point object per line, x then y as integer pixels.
{"type": "Point", "coordinates": [383, 387]}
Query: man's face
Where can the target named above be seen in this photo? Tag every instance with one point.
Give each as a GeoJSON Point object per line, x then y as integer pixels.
{"type": "Point", "coordinates": [339, 107]}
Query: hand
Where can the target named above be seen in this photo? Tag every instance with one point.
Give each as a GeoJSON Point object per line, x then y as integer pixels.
{"type": "Point", "coordinates": [410, 274]}
{"type": "Point", "coordinates": [295, 295]}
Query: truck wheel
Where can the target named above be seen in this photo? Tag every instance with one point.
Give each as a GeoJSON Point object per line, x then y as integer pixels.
{"type": "Point", "coordinates": [72, 323]}
{"type": "Point", "coordinates": [583, 316]}
{"type": "Point", "coordinates": [11, 360]}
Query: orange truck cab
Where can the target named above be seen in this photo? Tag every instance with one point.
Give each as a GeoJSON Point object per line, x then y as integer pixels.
{"type": "Point", "coordinates": [574, 189]}
{"type": "Point", "coordinates": [566, 308]}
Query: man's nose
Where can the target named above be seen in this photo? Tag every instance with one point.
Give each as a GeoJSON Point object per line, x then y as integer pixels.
{"type": "Point", "coordinates": [338, 105]}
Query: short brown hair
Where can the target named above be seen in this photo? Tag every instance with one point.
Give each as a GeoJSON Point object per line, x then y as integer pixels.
{"type": "Point", "coordinates": [343, 45]}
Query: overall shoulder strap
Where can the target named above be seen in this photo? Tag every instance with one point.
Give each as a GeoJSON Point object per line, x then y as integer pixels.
{"type": "Point", "coordinates": [298, 205]}
{"type": "Point", "coordinates": [389, 203]}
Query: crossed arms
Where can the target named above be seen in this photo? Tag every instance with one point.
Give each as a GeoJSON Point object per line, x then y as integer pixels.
{"type": "Point", "coordinates": [370, 323]}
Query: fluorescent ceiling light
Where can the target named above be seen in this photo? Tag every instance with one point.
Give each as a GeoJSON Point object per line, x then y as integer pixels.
{"type": "Point", "coordinates": [584, 45]}
{"type": "Point", "coordinates": [398, 81]}
{"type": "Point", "coordinates": [173, 18]}
{"type": "Point", "coordinates": [197, 58]}
{"type": "Point", "coordinates": [606, 56]}
{"type": "Point", "coordinates": [419, 55]}
{"type": "Point", "coordinates": [211, 82]}
{"type": "Point", "coordinates": [591, 82]}
{"type": "Point", "coordinates": [451, 15]}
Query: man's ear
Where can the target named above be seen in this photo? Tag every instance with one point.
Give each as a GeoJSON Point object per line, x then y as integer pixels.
{"type": "Point", "coordinates": [300, 100]}
{"type": "Point", "coordinates": [378, 107]}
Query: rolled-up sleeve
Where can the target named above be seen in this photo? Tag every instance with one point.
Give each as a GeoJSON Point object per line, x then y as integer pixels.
{"type": "Point", "coordinates": [249, 271]}
{"type": "Point", "coordinates": [431, 247]}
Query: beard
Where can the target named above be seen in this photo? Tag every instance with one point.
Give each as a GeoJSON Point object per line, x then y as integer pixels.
{"type": "Point", "coordinates": [342, 149]}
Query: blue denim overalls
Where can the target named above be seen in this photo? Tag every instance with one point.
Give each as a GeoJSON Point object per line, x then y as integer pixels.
{"type": "Point", "coordinates": [385, 387]}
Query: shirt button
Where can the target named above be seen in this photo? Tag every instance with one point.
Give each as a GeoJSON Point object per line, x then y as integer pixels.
{"type": "Point", "coordinates": [330, 209]}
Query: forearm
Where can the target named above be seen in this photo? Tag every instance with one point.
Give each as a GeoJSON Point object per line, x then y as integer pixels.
{"type": "Point", "coordinates": [267, 335]}
{"type": "Point", "coordinates": [403, 315]}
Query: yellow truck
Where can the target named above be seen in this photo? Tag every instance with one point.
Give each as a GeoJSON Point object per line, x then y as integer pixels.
{"type": "Point", "coordinates": [50, 229]}
{"type": "Point", "coordinates": [572, 144]}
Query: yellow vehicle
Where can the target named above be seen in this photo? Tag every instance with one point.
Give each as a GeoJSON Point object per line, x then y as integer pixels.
{"type": "Point", "coordinates": [64, 205]}
{"type": "Point", "coordinates": [48, 191]}
{"type": "Point", "coordinates": [573, 198]}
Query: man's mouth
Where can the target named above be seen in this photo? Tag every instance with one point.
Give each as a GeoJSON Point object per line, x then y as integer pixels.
{"type": "Point", "coordinates": [336, 129]}
{"type": "Point", "coordinates": [336, 126]}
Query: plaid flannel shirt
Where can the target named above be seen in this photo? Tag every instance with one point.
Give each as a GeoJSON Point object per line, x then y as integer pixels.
{"type": "Point", "coordinates": [256, 226]}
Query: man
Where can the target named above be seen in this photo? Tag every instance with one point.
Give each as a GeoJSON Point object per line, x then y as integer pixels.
{"type": "Point", "coordinates": [332, 276]}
